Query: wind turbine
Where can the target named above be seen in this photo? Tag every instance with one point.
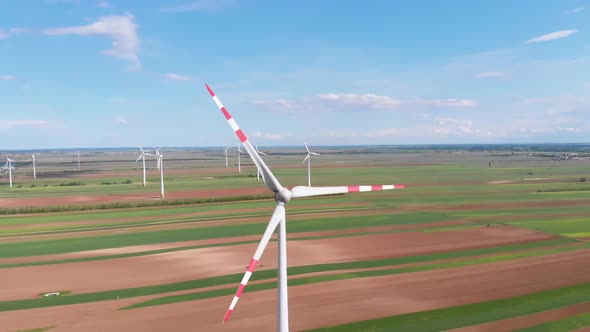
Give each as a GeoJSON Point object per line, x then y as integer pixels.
{"type": "Point", "coordinates": [142, 156]}
{"type": "Point", "coordinates": [282, 197]}
{"type": "Point", "coordinates": [161, 163]}
{"type": "Point", "coordinates": [258, 169]}
{"type": "Point", "coordinates": [158, 160]}
{"type": "Point", "coordinates": [308, 159]}
{"type": "Point", "coordinates": [239, 162]}
{"type": "Point", "coordinates": [34, 168]}
{"type": "Point", "coordinates": [9, 161]}
{"type": "Point", "coordinates": [226, 149]}
{"type": "Point", "coordinates": [78, 154]}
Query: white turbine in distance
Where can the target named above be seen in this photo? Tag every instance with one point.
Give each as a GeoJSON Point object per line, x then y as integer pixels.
{"type": "Point", "coordinates": [34, 168]}
{"type": "Point", "coordinates": [158, 159]}
{"type": "Point", "coordinates": [239, 161]}
{"type": "Point", "coordinates": [9, 162]}
{"type": "Point", "coordinates": [226, 164]}
{"type": "Point", "coordinates": [282, 197]}
{"type": "Point", "coordinates": [258, 169]}
{"type": "Point", "coordinates": [161, 163]}
{"type": "Point", "coordinates": [142, 156]}
{"type": "Point", "coordinates": [308, 159]}
{"type": "Point", "coordinates": [78, 154]}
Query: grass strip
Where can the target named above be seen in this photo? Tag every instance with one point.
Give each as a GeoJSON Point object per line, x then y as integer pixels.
{"type": "Point", "coordinates": [472, 314]}
{"type": "Point", "coordinates": [60, 246]}
{"type": "Point", "coordinates": [269, 274]}
{"type": "Point", "coordinates": [566, 324]}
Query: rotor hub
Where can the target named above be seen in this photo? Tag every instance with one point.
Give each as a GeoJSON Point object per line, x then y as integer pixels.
{"type": "Point", "coordinates": [284, 195]}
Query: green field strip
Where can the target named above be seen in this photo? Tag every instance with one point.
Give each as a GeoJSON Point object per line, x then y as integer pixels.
{"type": "Point", "coordinates": [562, 325]}
{"type": "Point", "coordinates": [300, 270]}
{"type": "Point", "coordinates": [15, 232]}
{"type": "Point", "coordinates": [347, 275]}
{"type": "Point", "coordinates": [40, 329]}
{"type": "Point", "coordinates": [557, 225]}
{"type": "Point", "coordinates": [533, 212]}
{"type": "Point", "coordinates": [471, 314]}
{"type": "Point", "coordinates": [58, 246]}
{"type": "Point", "coordinates": [159, 251]}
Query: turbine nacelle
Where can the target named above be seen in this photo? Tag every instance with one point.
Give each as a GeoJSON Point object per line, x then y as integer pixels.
{"type": "Point", "coordinates": [284, 195]}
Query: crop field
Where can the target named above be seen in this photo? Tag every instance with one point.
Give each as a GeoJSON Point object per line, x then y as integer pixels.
{"type": "Point", "coordinates": [479, 241]}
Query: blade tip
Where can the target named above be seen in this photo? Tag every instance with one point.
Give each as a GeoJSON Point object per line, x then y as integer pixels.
{"type": "Point", "coordinates": [209, 89]}
{"type": "Point", "coordinates": [399, 186]}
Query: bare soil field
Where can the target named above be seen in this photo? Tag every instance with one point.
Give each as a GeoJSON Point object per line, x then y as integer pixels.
{"type": "Point", "coordinates": [82, 277]}
{"type": "Point", "coordinates": [324, 304]}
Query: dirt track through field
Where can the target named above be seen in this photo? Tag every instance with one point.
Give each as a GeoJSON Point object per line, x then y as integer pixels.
{"type": "Point", "coordinates": [323, 304]}
{"type": "Point", "coordinates": [82, 277]}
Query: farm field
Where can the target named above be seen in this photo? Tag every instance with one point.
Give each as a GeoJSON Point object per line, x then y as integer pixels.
{"type": "Point", "coordinates": [480, 240]}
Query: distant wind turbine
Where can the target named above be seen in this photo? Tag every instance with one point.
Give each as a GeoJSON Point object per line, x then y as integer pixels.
{"type": "Point", "coordinates": [34, 168]}
{"type": "Point", "coordinates": [78, 154]}
{"type": "Point", "coordinates": [161, 163]}
{"type": "Point", "coordinates": [308, 159]}
{"type": "Point", "coordinates": [158, 160]}
{"type": "Point", "coordinates": [142, 156]}
{"type": "Point", "coordinates": [258, 169]}
{"type": "Point", "coordinates": [9, 161]}
{"type": "Point", "coordinates": [226, 164]}
{"type": "Point", "coordinates": [239, 162]}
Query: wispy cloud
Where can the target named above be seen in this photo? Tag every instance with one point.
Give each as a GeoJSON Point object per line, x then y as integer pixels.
{"type": "Point", "coordinates": [358, 102]}
{"type": "Point", "coordinates": [449, 102]}
{"type": "Point", "coordinates": [361, 100]}
{"type": "Point", "coordinates": [104, 4]}
{"type": "Point", "coordinates": [489, 74]}
{"type": "Point", "coordinates": [587, 85]}
{"type": "Point", "coordinates": [178, 77]}
{"type": "Point", "coordinates": [575, 10]}
{"type": "Point", "coordinates": [7, 33]}
{"type": "Point", "coordinates": [120, 120]}
{"type": "Point", "coordinates": [201, 5]}
{"type": "Point", "coordinates": [10, 124]}
{"type": "Point", "coordinates": [270, 136]}
{"type": "Point", "coordinates": [551, 36]}
{"type": "Point", "coordinates": [7, 77]}
{"type": "Point", "coordinates": [122, 30]}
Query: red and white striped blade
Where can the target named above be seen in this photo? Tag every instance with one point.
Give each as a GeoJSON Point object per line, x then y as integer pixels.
{"type": "Point", "coordinates": [303, 191]}
{"type": "Point", "coordinates": [269, 179]}
{"type": "Point", "coordinates": [277, 216]}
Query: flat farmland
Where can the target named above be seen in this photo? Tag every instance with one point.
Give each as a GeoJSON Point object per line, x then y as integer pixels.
{"type": "Point", "coordinates": [479, 241]}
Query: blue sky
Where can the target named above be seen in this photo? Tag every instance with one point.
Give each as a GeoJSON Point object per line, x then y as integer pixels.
{"type": "Point", "coordinates": [88, 73]}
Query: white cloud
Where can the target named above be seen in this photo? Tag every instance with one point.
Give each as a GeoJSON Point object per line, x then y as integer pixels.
{"type": "Point", "coordinates": [9, 124]}
{"type": "Point", "coordinates": [575, 10]}
{"type": "Point", "coordinates": [120, 120]}
{"type": "Point", "coordinates": [551, 36]}
{"type": "Point", "coordinates": [177, 77]}
{"type": "Point", "coordinates": [449, 102]}
{"type": "Point", "coordinates": [446, 126]}
{"type": "Point", "coordinates": [122, 30]}
{"type": "Point", "coordinates": [200, 5]}
{"type": "Point", "coordinates": [270, 136]}
{"type": "Point", "coordinates": [7, 77]}
{"type": "Point", "coordinates": [587, 85]}
{"type": "Point", "coordinates": [361, 100]}
{"type": "Point", "coordinates": [489, 74]}
{"type": "Point", "coordinates": [7, 33]}
{"type": "Point", "coordinates": [104, 4]}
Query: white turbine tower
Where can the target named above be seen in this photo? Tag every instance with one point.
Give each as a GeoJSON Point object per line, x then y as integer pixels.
{"type": "Point", "coordinates": [239, 161]}
{"type": "Point", "coordinates": [226, 164]}
{"type": "Point", "coordinates": [282, 197]}
{"type": "Point", "coordinates": [258, 169]}
{"type": "Point", "coordinates": [9, 161]}
{"type": "Point", "coordinates": [308, 159]}
{"type": "Point", "coordinates": [34, 168]}
{"type": "Point", "coordinates": [142, 156]}
{"type": "Point", "coordinates": [161, 163]}
{"type": "Point", "coordinates": [78, 154]}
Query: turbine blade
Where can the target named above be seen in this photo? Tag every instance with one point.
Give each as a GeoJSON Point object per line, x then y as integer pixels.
{"type": "Point", "coordinates": [304, 191]}
{"type": "Point", "coordinates": [270, 181]}
{"type": "Point", "coordinates": [306, 157]}
{"type": "Point", "coordinates": [306, 148]}
{"type": "Point", "coordinates": [277, 216]}
{"type": "Point", "coordinates": [315, 154]}
{"type": "Point", "coordinates": [138, 158]}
